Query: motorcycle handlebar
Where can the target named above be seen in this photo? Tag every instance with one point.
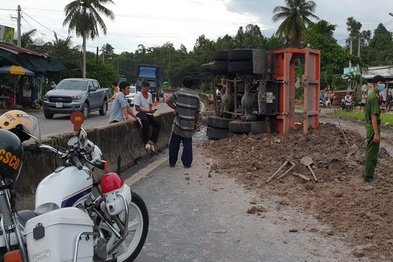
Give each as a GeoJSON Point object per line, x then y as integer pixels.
{"type": "Point", "coordinates": [72, 155]}
{"type": "Point", "coordinates": [77, 163]}
{"type": "Point", "coordinates": [49, 148]}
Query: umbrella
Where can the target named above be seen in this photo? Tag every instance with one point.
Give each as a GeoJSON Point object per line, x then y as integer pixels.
{"type": "Point", "coordinates": [15, 70]}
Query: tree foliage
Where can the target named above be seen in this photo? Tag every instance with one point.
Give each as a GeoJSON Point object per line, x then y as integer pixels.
{"type": "Point", "coordinates": [296, 16]}
{"type": "Point", "coordinates": [380, 49]}
{"type": "Point", "coordinates": [333, 57]}
{"type": "Point", "coordinates": [104, 73]}
{"type": "Point", "coordinates": [297, 29]}
{"type": "Point", "coordinates": [27, 38]}
{"type": "Point", "coordinates": [83, 17]}
{"type": "Point", "coordinates": [355, 35]}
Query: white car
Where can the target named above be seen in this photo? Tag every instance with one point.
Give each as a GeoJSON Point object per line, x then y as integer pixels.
{"type": "Point", "coordinates": [131, 95]}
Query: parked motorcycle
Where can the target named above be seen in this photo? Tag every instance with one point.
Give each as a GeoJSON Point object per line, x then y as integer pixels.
{"type": "Point", "coordinates": [76, 217]}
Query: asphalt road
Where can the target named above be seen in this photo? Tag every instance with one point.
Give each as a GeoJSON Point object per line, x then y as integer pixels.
{"type": "Point", "coordinates": [197, 215]}
{"type": "Point", "coordinates": [62, 124]}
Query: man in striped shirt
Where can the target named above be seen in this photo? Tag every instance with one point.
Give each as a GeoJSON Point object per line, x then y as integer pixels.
{"type": "Point", "coordinates": [186, 104]}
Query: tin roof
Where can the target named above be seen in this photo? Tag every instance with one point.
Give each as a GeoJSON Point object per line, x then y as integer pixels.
{"type": "Point", "coordinates": [20, 50]}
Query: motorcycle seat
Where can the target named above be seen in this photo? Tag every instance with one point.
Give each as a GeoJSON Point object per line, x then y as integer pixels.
{"type": "Point", "coordinates": [25, 215]}
{"type": "Point", "coordinates": [46, 207]}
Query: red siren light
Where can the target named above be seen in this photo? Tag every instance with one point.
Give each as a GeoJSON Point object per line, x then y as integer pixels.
{"type": "Point", "coordinates": [110, 182]}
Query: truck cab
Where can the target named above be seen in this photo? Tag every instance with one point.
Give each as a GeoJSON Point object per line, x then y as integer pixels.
{"type": "Point", "coordinates": [151, 74]}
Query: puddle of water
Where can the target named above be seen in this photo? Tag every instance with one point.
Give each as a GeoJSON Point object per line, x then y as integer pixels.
{"type": "Point", "coordinates": [200, 135]}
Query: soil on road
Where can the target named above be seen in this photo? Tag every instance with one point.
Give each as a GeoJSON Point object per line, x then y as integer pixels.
{"type": "Point", "coordinates": [361, 213]}
{"type": "Point", "coordinates": [199, 215]}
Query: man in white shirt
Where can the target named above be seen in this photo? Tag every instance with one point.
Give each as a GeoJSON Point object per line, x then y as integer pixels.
{"type": "Point", "coordinates": [144, 106]}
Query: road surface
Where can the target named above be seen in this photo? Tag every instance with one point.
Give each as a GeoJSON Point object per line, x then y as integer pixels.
{"type": "Point", "coordinates": [197, 215]}
{"type": "Point", "coordinates": [62, 124]}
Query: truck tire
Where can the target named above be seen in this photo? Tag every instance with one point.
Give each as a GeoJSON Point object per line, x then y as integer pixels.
{"type": "Point", "coordinates": [218, 122]}
{"type": "Point", "coordinates": [245, 54]}
{"type": "Point", "coordinates": [220, 67]}
{"type": "Point", "coordinates": [221, 56]}
{"type": "Point", "coordinates": [216, 133]}
{"type": "Point", "coordinates": [48, 115]}
{"type": "Point", "coordinates": [239, 127]}
{"type": "Point", "coordinates": [85, 110]}
{"type": "Point", "coordinates": [240, 67]}
{"type": "Point", "coordinates": [104, 109]}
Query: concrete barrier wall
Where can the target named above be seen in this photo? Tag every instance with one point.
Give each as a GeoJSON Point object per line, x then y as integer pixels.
{"type": "Point", "coordinates": [120, 139]}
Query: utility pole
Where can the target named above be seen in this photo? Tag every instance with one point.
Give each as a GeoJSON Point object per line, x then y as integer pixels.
{"type": "Point", "coordinates": [359, 47]}
{"type": "Point", "coordinates": [350, 52]}
{"type": "Point", "coordinates": [358, 54]}
{"type": "Point", "coordinates": [19, 40]}
{"type": "Point", "coordinates": [97, 55]}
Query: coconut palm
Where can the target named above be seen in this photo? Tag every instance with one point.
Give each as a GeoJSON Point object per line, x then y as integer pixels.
{"type": "Point", "coordinates": [26, 38]}
{"type": "Point", "coordinates": [62, 44]}
{"type": "Point", "coordinates": [296, 16]}
{"type": "Point", "coordinates": [83, 17]}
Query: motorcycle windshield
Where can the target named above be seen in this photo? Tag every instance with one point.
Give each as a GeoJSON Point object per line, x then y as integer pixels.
{"type": "Point", "coordinates": [33, 127]}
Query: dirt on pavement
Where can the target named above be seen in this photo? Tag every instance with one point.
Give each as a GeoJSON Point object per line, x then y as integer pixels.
{"type": "Point", "coordinates": [360, 212]}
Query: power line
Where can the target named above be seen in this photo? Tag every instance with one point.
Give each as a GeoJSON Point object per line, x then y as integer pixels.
{"type": "Point", "coordinates": [53, 31]}
{"type": "Point", "coordinates": [27, 23]}
{"type": "Point", "coordinates": [38, 22]}
{"type": "Point", "coordinates": [40, 9]}
{"type": "Point", "coordinates": [388, 22]}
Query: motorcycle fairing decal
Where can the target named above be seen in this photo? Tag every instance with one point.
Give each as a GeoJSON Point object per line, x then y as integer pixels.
{"type": "Point", "coordinates": [69, 202]}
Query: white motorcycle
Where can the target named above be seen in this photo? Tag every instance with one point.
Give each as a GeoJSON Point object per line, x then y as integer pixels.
{"type": "Point", "coordinates": [76, 218]}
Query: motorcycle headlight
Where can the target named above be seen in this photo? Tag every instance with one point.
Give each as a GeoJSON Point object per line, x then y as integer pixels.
{"type": "Point", "coordinates": [116, 200]}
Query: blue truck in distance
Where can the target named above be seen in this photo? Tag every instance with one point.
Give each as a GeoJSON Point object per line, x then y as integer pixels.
{"type": "Point", "coordinates": [151, 74]}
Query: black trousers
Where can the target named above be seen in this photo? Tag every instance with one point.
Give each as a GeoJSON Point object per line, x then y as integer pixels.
{"type": "Point", "coordinates": [174, 146]}
{"type": "Point", "coordinates": [147, 121]}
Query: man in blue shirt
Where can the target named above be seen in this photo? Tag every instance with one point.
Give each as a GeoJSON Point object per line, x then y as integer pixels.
{"type": "Point", "coordinates": [121, 110]}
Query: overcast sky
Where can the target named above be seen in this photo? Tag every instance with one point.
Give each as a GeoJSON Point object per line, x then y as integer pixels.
{"type": "Point", "coordinates": [155, 22]}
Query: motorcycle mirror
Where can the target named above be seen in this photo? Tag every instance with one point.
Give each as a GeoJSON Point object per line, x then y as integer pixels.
{"type": "Point", "coordinates": [73, 141]}
{"type": "Point", "coordinates": [77, 119]}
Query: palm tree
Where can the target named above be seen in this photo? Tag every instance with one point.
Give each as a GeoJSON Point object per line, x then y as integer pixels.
{"type": "Point", "coordinates": [62, 44]}
{"type": "Point", "coordinates": [296, 15]}
{"type": "Point", "coordinates": [107, 52]}
{"type": "Point", "coordinates": [82, 16]}
{"type": "Point", "coordinates": [26, 38]}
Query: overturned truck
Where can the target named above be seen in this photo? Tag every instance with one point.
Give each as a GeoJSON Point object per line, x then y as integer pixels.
{"type": "Point", "coordinates": [254, 91]}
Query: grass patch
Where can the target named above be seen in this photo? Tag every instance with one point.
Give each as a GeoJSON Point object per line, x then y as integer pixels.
{"type": "Point", "coordinates": [386, 118]}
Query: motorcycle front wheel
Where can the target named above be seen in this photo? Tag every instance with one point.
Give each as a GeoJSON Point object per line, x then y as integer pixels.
{"type": "Point", "coordinates": [138, 225]}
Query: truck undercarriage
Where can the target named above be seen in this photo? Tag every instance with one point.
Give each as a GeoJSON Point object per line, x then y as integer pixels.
{"type": "Point", "coordinates": [256, 90]}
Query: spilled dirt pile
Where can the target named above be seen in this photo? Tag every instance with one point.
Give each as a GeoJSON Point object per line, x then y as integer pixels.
{"type": "Point", "coordinates": [360, 212]}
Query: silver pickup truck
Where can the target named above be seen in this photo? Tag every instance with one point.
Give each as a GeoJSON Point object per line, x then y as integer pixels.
{"type": "Point", "coordinates": [76, 94]}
